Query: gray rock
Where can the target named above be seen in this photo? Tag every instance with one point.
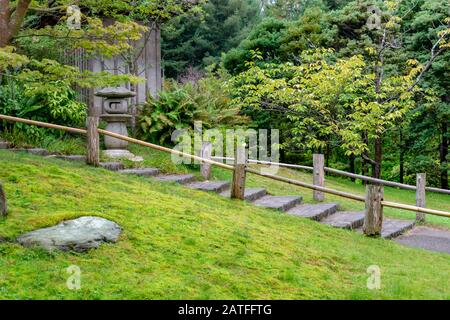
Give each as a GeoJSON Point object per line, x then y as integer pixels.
{"type": "Point", "coordinates": [427, 238]}
{"type": "Point", "coordinates": [314, 211]}
{"type": "Point", "coordinates": [78, 235]}
{"type": "Point", "coordinates": [345, 219]}
{"type": "Point", "coordinates": [283, 203]}
{"type": "Point", "coordinates": [113, 166]}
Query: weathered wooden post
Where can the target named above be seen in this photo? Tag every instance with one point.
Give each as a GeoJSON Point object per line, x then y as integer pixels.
{"type": "Point", "coordinates": [205, 168]}
{"type": "Point", "coordinates": [421, 195]}
{"type": "Point", "coordinates": [93, 142]}
{"type": "Point", "coordinates": [240, 164]}
{"type": "Point", "coordinates": [3, 204]}
{"type": "Point", "coordinates": [373, 220]}
{"type": "Point", "coordinates": [318, 176]}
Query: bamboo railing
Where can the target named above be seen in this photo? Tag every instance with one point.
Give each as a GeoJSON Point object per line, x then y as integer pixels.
{"type": "Point", "coordinates": [228, 167]}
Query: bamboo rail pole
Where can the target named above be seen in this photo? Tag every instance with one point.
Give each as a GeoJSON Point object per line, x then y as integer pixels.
{"type": "Point", "coordinates": [306, 185]}
{"type": "Point", "coordinates": [229, 167]}
{"type": "Point", "coordinates": [168, 150]}
{"type": "Point", "coordinates": [345, 174]}
{"type": "Point", "coordinates": [43, 124]}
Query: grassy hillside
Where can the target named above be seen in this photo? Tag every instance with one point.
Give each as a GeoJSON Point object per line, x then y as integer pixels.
{"type": "Point", "coordinates": [180, 243]}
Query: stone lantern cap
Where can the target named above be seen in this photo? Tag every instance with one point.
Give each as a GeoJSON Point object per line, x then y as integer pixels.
{"type": "Point", "coordinates": [115, 93]}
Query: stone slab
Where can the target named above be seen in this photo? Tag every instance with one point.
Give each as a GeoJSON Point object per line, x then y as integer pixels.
{"type": "Point", "coordinates": [71, 158]}
{"type": "Point", "coordinates": [427, 238]}
{"type": "Point", "coordinates": [282, 203]}
{"type": "Point", "coordinates": [393, 228]}
{"type": "Point", "coordinates": [250, 194]}
{"type": "Point", "coordinates": [35, 151]}
{"type": "Point", "coordinates": [4, 145]}
{"type": "Point", "coordinates": [345, 220]}
{"type": "Point", "coordinates": [113, 166]}
{"type": "Point", "coordinates": [213, 186]}
{"type": "Point", "coordinates": [146, 172]}
{"type": "Point", "coordinates": [315, 212]}
{"type": "Point", "coordinates": [78, 235]}
{"type": "Point", "coordinates": [178, 178]}
{"type": "Point", "coordinates": [122, 154]}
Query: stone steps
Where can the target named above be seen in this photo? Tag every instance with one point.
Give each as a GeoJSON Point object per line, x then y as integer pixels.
{"type": "Point", "coordinates": [35, 151]}
{"type": "Point", "coordinates": [315, 212]}
{"type": "Point", "coordinates": [210, 186]}
{"type": "Point", "coordinates": [4, 145]}
{"type": "Point", "coordinates": [70, 158]}
{"type": "Point", "coordinates": [251, 194]}
{"type": "Point", "coordinates": [178, 178]}
{"type": "Point", "coordinates": [326, 213]}
{"type": "Point", "coordinates": [144, 172]}
{"type": "Point", "coordinates": [345, 220]}
{"type": "Point", "coordinates": [278, 203]}
{"type": "Point", "coordinates": [393, 228]}
{"type": "Point", "coordinates": [113, 166]}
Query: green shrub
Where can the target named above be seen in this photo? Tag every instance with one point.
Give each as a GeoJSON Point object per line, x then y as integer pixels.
{"type": "Point", "coordinates": [179, 105]}
{"type": "Point", "coordinates": [58, 106]}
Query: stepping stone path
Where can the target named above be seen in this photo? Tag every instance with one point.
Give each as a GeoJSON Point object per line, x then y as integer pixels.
{"type": "Point", "coordinates": [79, 235]}
{"type": "Point", "coordinates": [403, 231]}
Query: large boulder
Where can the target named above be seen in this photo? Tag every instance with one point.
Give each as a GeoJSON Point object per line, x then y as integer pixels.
{"type": "Point", "coordinates": [78, 235]}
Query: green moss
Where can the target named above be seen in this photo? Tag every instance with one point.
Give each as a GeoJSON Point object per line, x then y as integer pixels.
{"type": "Point", "coordinates": [179, 243]}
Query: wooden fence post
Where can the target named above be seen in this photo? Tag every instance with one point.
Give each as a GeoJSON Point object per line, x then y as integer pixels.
{"type": "Point", "coordinates": [3, 204]}
{"type": "Point", "coordinates": [318, 176]}
{"type": "Point", "coordinates": [421, 195]}
{"type": "Point", "coordinates": [239, 173]}
{"type": "Point", "coordinates": [205, 168]}
{"type": "Point", "coordinates": [93, 142]}
{"type": "Point", "coordinates": [373, 220]}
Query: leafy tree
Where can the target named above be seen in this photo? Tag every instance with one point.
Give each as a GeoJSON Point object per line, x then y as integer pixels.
{"type": "Point", "coordinates": [198, 40]}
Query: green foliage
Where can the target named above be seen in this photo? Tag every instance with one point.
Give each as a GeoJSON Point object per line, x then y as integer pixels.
{"type": "Point", "coordinates": [172, 234]}
{"type": "Point", "coordinates": [59, 106]}
{"type": "Point", "coordinates": [197, 40]}
{"type": "Point", "coordinates": [178, 106]}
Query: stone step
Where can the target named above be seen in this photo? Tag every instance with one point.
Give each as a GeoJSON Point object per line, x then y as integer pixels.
{"type": "Point", "coordinates": [345, 220]}
{"type": "Point", "coordinates": [4, 145]}
{"type": "Point", "coordinates": [179, 178]}
{"type": "Point", "coordinates": [251, 194]}
{"type": "Point", "coordinates": [279, 203]}
{"type": "Point", "coordinates": [35, 151]}
{"type": "Point", "coordinates": [145, 172]}
{"type": "Point", "coordinates": [113, 166]}
{"type": "Point", "coordinates": [315, 212]}
{"type": "Point", "coordinates": [392, 228]}
{"type": "Point", "coordinates": [214, 186]}
{"type": "Point", "coordinates": [427, 238]}
{"type": "Point", "coordinates": [70, 157]}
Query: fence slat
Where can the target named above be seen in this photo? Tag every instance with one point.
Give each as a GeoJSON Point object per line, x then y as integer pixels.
{"type": "Point", "coordinates": [373, 219]}
{"type": "Point", "coordinates": [205, 168]}
{"type": "Point", "coordinates": [421, 195]}
{"type": "Point", "coordinates": [239, 173]}
{"type": "Point", "coordinates": [93, 142]}
{"type": "Point", "coordinates": [318, 176]}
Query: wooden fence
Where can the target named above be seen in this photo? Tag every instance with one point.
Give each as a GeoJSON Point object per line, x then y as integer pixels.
{"type": "Point", "coordinates": [373, 200]}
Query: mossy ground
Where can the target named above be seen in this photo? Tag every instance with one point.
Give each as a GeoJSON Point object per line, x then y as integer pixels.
{"type": "Point", "coordinates": [179, 243]}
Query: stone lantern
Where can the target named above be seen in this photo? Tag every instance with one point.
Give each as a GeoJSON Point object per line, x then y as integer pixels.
{"type": "Point", "coordinates": [115, 113]}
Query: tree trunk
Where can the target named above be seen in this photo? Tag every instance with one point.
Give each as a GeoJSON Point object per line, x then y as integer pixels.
{"type": "Point", "coordinates": [402, 158]}
{"type": "Point", "coordinates": [351, 160]}
{"type": "Point", "coordinates": [378, 158]}
{"type": "Point", "coordinates": [443, 153]}
{"type": "Point", "coordinates": [3, 204]}
{"type": "Point", "coordinates": [10, 23]}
